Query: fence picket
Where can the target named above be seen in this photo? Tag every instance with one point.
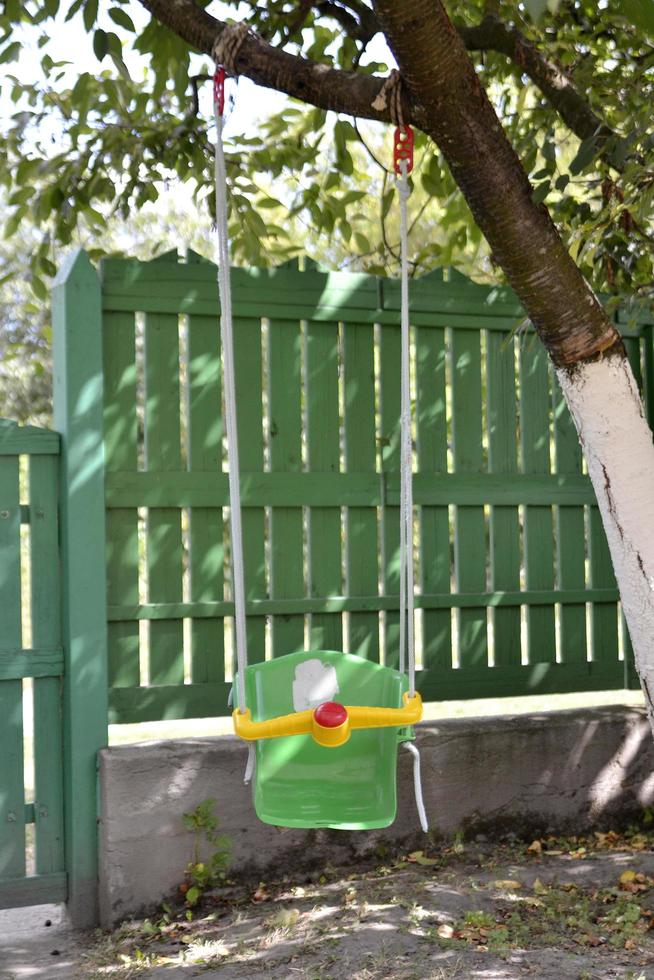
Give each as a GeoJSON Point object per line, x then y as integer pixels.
{"type": "Point", "coordinates": [538, 528]}
{"type": "Point", "coordinates": [206, 530]}
{"type": "Point", "coordinates": [470, 535]}
{"type": "Point", "coordinates": [361, 456]}
{"type": "Point", "coordinates": [247, 360]}
{"type": "Point", "coordinates": [286, 524]}
{"type": "Point", "coordinates": [164, 530]}
{"type": "Point", "coordinates": [46, 629]}
{"type": "Point", "coordinates": [120, 439]}
{"type": "Point", "coordinates": [390, 399]}
{"type": "Point", "coordinates": [504, 521]}
{"type": "Point", "coordinates": [12, 797]}
{"type": "Point", "coordinates": [323, 453]}
{"type": "Point", "coordinates": [431, 357]}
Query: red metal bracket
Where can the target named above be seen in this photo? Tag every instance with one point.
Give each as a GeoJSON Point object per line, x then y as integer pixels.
{"type": "Point", "coordinates": [403, 148]}
{"type": "Point", "coordinates": [219, 89]}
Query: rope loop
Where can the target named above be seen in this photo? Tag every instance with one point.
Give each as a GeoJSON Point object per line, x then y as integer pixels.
{"type": "Point", "coordinates": [227, 46]}
{"type": "Point", "coordinates": [403, 188]}
{"type": "Point", "coordinates": [390, 97]}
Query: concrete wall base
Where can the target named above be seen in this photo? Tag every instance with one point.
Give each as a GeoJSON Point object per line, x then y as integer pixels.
{"type": "Point", "coordinates": [546, 772]}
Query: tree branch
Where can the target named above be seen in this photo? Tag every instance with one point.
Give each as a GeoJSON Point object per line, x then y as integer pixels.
{"type": "Point", "coordinates": [459, 116]}
{"type": "Point", "coordinates": [342, 91]}
{"type": "Point", "coordinates": [492, 34]}
{"type": "Point", "coordinates": [347, 21]}
{"type": "Point", "coordinates": [317, 84]}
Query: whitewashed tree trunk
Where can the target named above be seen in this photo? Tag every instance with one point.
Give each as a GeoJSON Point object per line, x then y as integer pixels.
{"type": "Point", "coordinates": [616, 440]}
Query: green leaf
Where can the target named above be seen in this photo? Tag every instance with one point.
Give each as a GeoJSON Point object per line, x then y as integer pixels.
{"type": "Point", "coordinates": [562, 182]}
{"type": "Point", "coordinates": [540, 192]}
{"type": "Point", "coordinates": [120, 66]}
{"type": "Point", "coordinates": [345, 130]}
{"type": "Point", "coordinates": [39, 288]}
{"type": "Point", "coordinates": [90, 14]}
{"type": "Point", "coordinates": [548, 150]}
{"type": "Point", "coordinates": [431, 186]}
{"type": "Point", "coordinates": [10, 53]}
{"type": "Point", "coordinates": [122, 18]}
{"type": "Point", "coordinates": [47, 266]}
{"type": "Point", "coordinates": [114, 43]}
{"type": "Point", "coordinates": [100, 44]}
{"type": "Point", "coordinates": [193, 895]}
{"type": "Point", "coordinates": [585, 155]}
{"type": "Point", "coordinates": [74, 7]}
{"type": "Point", "coordinates": [13, 222]}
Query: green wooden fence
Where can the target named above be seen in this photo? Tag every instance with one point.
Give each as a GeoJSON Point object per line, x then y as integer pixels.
{"type": "Point", "coordinates": [32, 864]}
{"type": "Point", "coordinates": [516, 593]}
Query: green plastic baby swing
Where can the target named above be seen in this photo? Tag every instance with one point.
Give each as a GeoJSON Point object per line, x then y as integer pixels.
{"type": "Point", "coordinates": [325, 725]}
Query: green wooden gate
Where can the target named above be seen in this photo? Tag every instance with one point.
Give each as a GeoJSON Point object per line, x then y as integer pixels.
{"type": "Point", "coordinates": [32, 867]}
{"type": "Point", "coordinates": [53, 675]}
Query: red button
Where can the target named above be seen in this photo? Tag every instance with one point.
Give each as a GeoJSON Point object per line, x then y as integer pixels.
{"type": "Point", "coordinates": [331, 714]}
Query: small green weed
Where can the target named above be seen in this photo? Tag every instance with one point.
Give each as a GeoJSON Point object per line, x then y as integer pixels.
{"type": "Point", "coordinates": [612, 917]}
{"type": "Point", "coordinates": [200, 875]}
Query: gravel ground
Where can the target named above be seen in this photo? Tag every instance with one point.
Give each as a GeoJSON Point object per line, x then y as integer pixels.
{"type": "Point", "coordinates": [578, 907]}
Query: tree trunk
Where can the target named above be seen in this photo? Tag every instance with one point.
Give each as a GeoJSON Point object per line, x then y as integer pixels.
{"type": "Point", "coordinates": [591, 363]}
{"type": "Point", "coordinates": [604, 402]}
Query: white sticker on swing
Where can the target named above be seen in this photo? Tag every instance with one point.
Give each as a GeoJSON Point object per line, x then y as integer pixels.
{"type": "Point", "coordinates": [314, 683]}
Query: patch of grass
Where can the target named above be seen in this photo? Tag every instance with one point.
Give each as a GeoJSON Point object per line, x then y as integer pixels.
{"type": "Point", "coordinates": [618, 917]}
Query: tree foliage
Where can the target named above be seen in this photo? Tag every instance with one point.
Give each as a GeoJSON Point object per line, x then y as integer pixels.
{"type": "Point", "coordinates": [82, 150]}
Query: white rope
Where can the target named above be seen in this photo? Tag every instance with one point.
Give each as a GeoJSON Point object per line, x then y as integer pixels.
{"type": "Point", "coordinates": [229, 384]}
{"type": "Point", "coordinates": [250, 764]}
{"type": "Point", "coordinates": [417, 785]}
{"type": "Point", "coordinates": [406, 452]}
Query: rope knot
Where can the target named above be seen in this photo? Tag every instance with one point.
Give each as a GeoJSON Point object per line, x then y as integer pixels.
{"type": "Point", "coordinates": [390, 97]}
{"type": "Point", "coordinates": [227, 46]}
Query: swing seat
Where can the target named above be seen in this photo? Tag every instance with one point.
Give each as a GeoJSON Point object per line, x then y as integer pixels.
{"type": "Point", "coordinates": [299, 783]}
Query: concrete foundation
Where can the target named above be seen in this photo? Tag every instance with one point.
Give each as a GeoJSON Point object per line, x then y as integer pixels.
{"type": "Point", "coordinates": [545, 772]}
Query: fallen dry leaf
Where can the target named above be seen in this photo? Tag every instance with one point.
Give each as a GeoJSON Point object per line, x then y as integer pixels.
{"type": "Point", "coordinates": [261, 894]}
{"type": "Point", "coordinates": [445, 931]}
{"type": "Point", "coordinates": [418, 857]}
{"type": "Point", "coordinates": [535, 848]}
{"type": "Point", "coordinates": [508, 885]}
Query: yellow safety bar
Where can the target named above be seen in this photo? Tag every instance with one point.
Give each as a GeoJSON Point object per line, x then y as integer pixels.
{"type": "Point", "coordinates": [305, 722]}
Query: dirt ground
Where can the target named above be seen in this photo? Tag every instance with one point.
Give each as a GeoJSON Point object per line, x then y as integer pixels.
{"type": "Point", "coordinates": [579, 907]}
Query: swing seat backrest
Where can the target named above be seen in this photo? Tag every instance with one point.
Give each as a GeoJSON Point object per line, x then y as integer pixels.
{"type": "Point", "coordinates": [298, 783]}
